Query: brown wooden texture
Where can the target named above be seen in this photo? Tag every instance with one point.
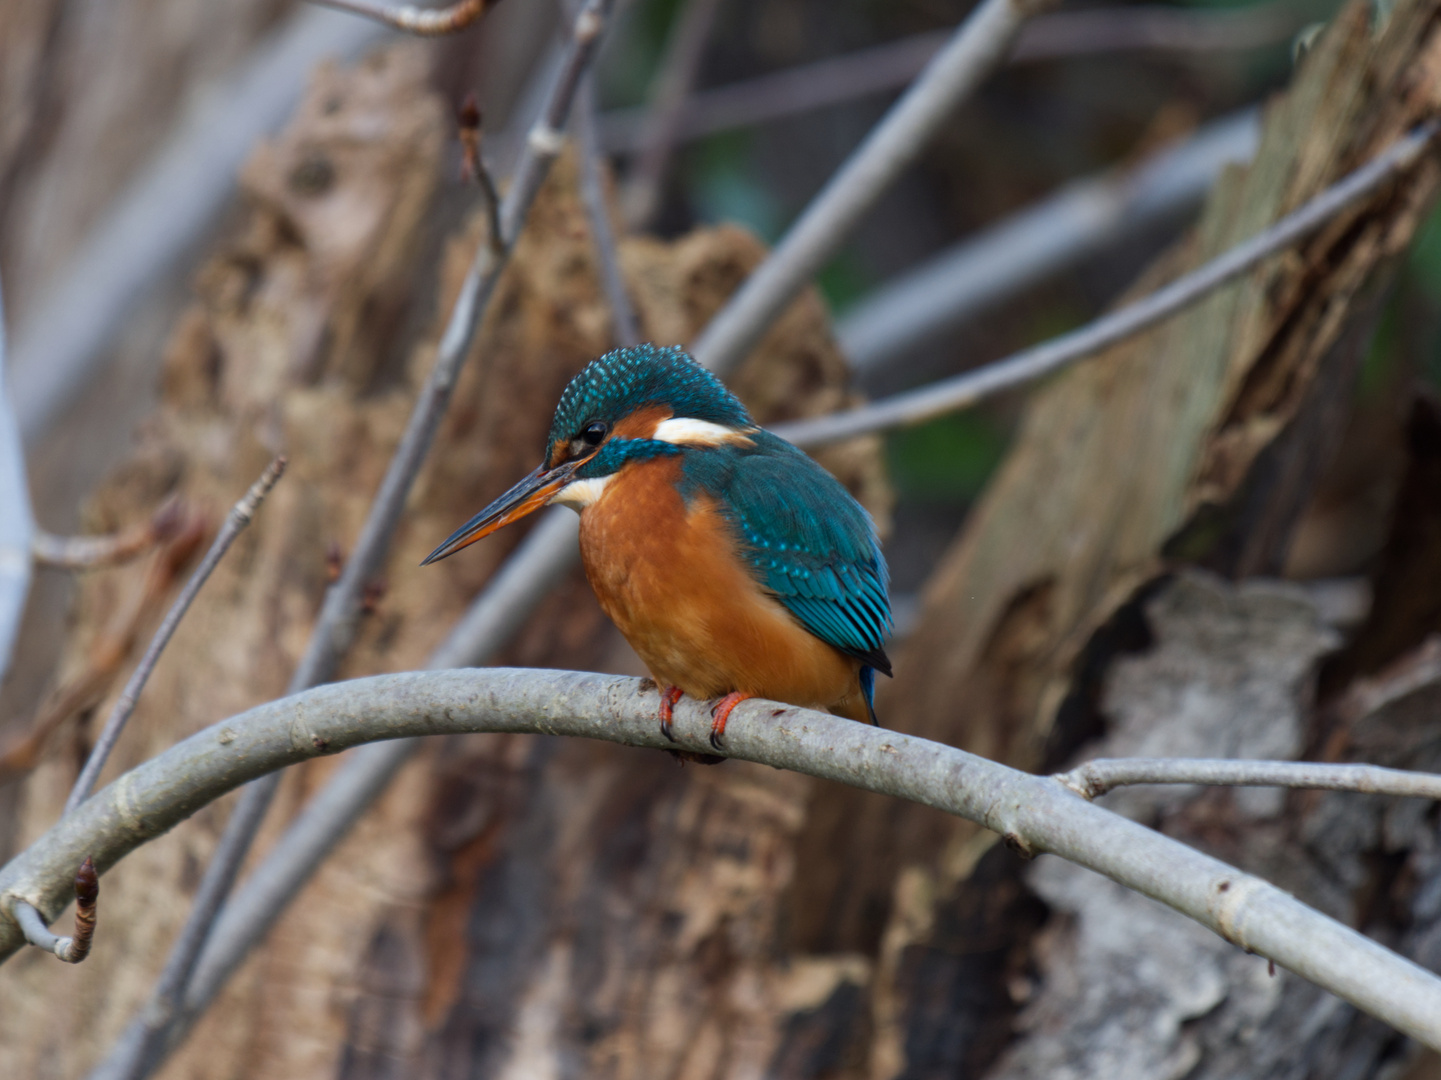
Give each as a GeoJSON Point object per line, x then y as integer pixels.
{"type": "Point", "coordinates": [300, 342]}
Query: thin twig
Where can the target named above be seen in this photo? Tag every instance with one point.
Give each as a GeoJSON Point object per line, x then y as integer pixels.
{"type": "Point", "coordinates": [1097, 777]}
{"type": "Point", "coordinates": [680, 63]}
{"type": "Point", "coordinates": [473, 169]}
{"type": "Point", "coordinates": [881, 68]}
{"type": "Point", "coordinates": [1030, 364]}
{"type": "Point", "coordinates": [976, 49]}
{"type": "Point", "coordinates": [74, 949]}
{"type": "Point", "coordinates": [94, 552]}
{"type": "Point", "coordinates": [1033, 813]}
{"type": "Point", "coordinates": [424, 22]}
{"type": "Point", "coordinates": [981, 271]}
{"type": "Point", "coordinates": [239, 517]}
{"type": "Point", "coordinates": [625, 329]}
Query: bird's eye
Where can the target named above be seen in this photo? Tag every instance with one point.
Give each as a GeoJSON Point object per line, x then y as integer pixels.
{"type": "Point", "coordinates": [594, 433]}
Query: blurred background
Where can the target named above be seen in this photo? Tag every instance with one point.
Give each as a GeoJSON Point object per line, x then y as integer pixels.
{"type": "Point", "coordinates": [141, 168]}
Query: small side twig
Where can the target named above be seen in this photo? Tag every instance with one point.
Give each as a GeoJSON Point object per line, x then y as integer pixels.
{"type": "Point", "coordinates": [1095, 778]}
{"type": "Point", "coordinates": [74, 949]}
{"type": "Point", "coordinates": [1019, 368]}
{"type": "Point", "coordinates": [235, 522]}
{"type": "Point", "coordinates": [94, 552]}
{"type": "Point", "coordinates": [473, 169]}
{"type": "Point", "coordinates": [423, 22]}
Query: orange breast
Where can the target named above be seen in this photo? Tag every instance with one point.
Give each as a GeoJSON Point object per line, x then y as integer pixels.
{"type": "Point", "coordinates": [670, 578]}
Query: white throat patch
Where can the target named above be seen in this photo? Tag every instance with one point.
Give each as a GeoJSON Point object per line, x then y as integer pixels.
{"type": "Point", "coordinates": [686, 431]}
{"type": "Point", "coordinates": [578, 494]}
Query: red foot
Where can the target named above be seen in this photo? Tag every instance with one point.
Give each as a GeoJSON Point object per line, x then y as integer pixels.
{"type": "Point", "coordinates": [720, 713]}
{"type": "Point", "coordinates": [668, 697]}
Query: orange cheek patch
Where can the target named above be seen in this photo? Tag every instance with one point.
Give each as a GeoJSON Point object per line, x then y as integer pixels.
{"type": "Point", "coordinates": [642, 423]}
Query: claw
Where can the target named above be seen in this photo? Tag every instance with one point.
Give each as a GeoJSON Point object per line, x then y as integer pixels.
{"type": "Point", "coordinates": [669, 696]}
{"type": "Point", "coordinates": [720, 713]}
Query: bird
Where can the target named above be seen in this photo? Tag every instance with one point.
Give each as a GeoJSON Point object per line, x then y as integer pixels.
{"type": "Point", "coordinates": [734, 564]}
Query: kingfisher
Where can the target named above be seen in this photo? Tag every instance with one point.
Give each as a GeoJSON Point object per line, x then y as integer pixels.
{"type": "Point", "coordinates": [734, 565]}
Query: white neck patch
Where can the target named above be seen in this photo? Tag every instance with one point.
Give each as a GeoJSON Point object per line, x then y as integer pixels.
{"type": "Point", "coordinates": [578, 494]}
{"type": "Point", "coordinates": [687, 431]}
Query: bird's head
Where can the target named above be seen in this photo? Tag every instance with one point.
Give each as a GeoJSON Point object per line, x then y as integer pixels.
{"type": "Point", "coordinates": [626, 406]}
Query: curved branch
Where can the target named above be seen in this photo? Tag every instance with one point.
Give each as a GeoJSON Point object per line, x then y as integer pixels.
{"type": "Point", "coordinates": [1034, 814]}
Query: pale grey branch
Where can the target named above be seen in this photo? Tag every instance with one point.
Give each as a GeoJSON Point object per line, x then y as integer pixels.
{"type": "Point", "coordinates": [1034, 814]}
{"type": "Point", "coordinates": [975, 50]}
{"type": "Point", "coordinates": [948, 395]}
{"type": "Point", "coordinates": [1097, 777]}
{"type": "Point", "coordinates": [17, 526]}
{"type": "Point", "coordinates": [1084, 217]}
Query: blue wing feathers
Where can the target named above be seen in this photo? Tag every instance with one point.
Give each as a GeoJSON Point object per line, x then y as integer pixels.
{"type": "Point", "coordinates": [809, 543]}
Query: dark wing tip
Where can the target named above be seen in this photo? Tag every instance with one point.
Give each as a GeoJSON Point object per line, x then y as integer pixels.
{"type": "Point", "coordinates": [877, 659]}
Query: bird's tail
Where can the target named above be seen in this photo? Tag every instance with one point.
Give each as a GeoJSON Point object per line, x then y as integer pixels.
{"type": "Point", "coordinates": [868, 688]}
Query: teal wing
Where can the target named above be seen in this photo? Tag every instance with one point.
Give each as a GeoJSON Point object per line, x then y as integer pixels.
{"type": "Point", "coordinates": [809, 543]}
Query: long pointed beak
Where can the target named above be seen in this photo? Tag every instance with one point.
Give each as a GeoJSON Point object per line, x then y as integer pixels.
{"type": "Point", "coordinates": [526, 497]}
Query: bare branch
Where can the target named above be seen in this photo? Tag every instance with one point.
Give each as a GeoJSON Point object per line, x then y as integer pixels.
{"type": "Point", "coordinates": [1082, 218]}
{"type": "Point", "coordinates": [239, 517]}
{"type": "Point", "coordinates": [1034, 814]}
{"type": "Point", "coordinates": [72, 950]}
{"type": "Point", "coordinates": [1097, 777]}
{"type": "Point", "coordinates": [882, 68]}
{"type": "Point", "coordinates": [17, 526]}
{"type": "Point", "coordinates": [684, 49]}
{"type": "Point", "coordinates": [965, 389]}
{"type": "Point", "coordinates": [424, 22]}
{"type": "Point", "coordinates": [976, 49]}
{"type": "Point", "coordinates": [94, 552]}
{"type": "Point", "coordinates": [625, 328]}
